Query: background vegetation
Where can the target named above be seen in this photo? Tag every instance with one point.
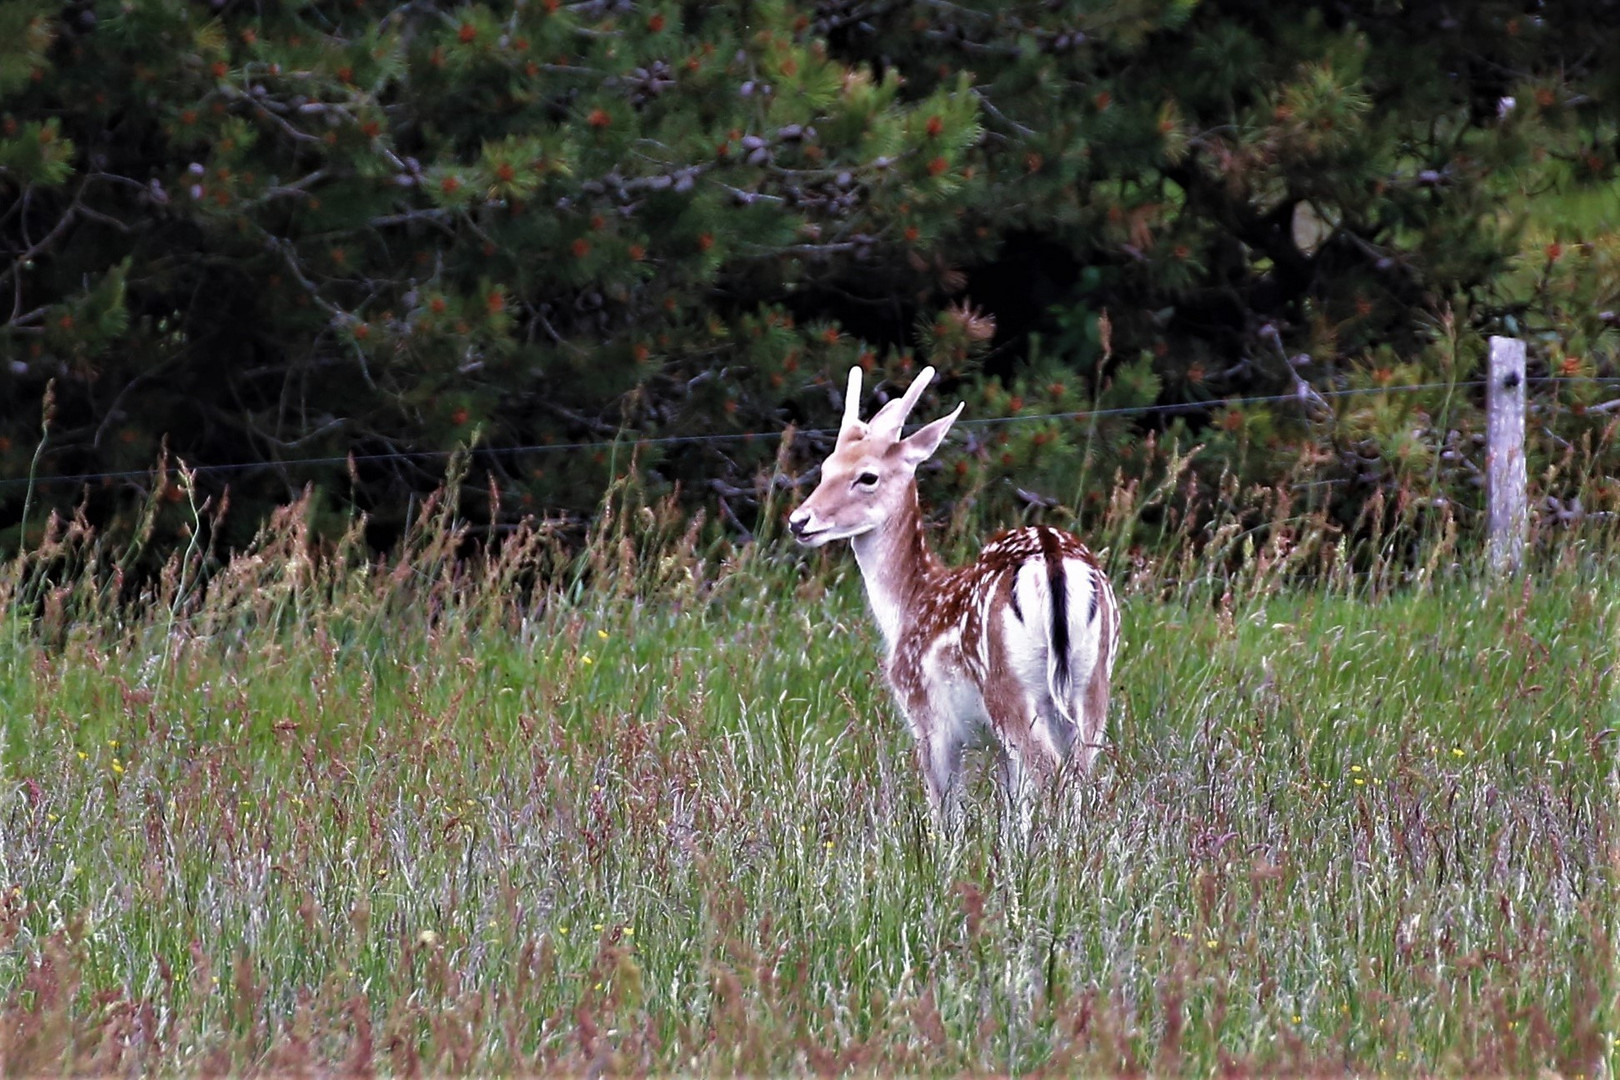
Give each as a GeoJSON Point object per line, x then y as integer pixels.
{"type": "Point", "coordinates": [366, 234]}
{"type": "Point", "coordinates": [500, 774]}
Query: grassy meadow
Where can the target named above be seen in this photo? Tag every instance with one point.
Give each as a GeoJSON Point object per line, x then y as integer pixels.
{"type": "Point", "coordinates": [421, 816]}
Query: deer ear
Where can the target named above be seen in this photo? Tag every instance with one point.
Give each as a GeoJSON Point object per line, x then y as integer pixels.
{"type": "Point", "coordinates": [922, 443]}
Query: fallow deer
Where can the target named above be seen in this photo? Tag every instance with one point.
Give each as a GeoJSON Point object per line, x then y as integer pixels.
{"type": "Point", "coordinates": [1012, 652]}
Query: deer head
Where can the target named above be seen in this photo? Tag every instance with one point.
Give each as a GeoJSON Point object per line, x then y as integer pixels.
{"type": "Point", "coordinates": [870, 477]}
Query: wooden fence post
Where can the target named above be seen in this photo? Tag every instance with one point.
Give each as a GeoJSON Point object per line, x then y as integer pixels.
{"type": "Point", "coordinates": [1507, 513]}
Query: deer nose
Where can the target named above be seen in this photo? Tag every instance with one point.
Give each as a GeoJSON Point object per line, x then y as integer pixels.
{"type": "Point", "coordinates": [796, 523]}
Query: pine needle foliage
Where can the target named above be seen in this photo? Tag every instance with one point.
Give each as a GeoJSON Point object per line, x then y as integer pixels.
{"type": "Point", "coordinates": [255, 235]}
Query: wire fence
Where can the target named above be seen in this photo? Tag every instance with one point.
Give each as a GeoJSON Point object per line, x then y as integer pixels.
{"type": "Point", "coordinates": [1305, 394]}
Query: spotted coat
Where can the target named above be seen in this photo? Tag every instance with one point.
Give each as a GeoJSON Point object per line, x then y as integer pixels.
{"type": "Point", "coordinates": [1013, 651]}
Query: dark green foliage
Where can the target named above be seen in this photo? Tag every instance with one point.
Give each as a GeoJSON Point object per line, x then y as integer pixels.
{"type": "Point", "coordinates": [261, 234]}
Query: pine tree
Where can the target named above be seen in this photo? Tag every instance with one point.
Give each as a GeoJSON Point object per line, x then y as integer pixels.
{"type": "Point", "coordinates": [262, 234]}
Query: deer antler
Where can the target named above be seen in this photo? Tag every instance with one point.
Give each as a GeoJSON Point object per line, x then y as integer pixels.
{"type": "Point", "coordinates": [892, 417]}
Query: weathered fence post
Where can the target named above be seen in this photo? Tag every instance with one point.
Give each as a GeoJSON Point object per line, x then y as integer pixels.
{"type": "Point", "coordinates": [1506, 514]}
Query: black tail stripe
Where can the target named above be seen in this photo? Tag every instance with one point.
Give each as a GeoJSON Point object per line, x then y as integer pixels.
{"type": "Point", "coordinates": [1056, 583]}
{"type": "Point", "coordinates": [1096, 592]}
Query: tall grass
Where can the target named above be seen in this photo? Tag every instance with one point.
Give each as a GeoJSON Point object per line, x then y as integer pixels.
{"type": "Point", "coordinates": [649, 809]}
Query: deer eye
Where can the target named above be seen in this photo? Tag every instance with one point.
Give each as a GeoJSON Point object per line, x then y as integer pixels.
{"type": "Point", "coordinates": [867, 480]}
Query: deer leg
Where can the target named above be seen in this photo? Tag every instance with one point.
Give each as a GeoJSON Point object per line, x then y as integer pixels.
{"type": "Point", "coordinates": [1015, 795]}
{"type": "Point", "coordinates": [1027, 758]}
{"type": "Point", "coordinates": [939, 753]}
{"type": "Point", "coordinates": [1088, 698]}
{"type": "Point", "coordinates": [1091, 706]}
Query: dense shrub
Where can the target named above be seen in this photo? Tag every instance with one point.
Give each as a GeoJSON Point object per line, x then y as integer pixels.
{"type": "Point", "coordinates": [263, 234]}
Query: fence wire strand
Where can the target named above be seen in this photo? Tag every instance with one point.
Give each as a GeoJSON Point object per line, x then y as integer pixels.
{"type": "Point", "coordinates": [1306, 393]}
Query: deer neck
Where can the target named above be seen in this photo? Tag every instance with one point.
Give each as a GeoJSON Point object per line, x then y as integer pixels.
{"type": "Point", "coordinates": [896, 565]}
